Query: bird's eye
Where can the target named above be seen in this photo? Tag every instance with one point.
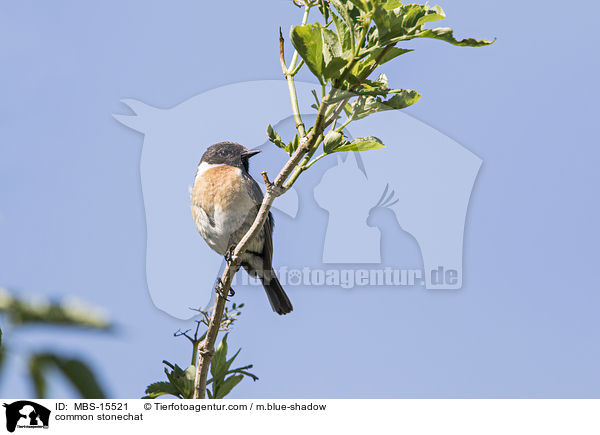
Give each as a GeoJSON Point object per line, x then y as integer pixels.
{"type": "Point", "coordinates": [223, 152]}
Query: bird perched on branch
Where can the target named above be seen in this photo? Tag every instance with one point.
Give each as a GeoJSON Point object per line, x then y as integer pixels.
{"type": "Point", "coordinates": [225, 202]}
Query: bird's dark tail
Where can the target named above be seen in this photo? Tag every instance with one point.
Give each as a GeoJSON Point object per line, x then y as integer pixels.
{"type": "Point", "coordinates": [277, 297]}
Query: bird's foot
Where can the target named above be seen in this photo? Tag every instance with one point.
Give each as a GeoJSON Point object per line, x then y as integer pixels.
{"type": "Point", "coordinates": [229, 254]}
{"type": "Point", "coordinates": [220, 290]}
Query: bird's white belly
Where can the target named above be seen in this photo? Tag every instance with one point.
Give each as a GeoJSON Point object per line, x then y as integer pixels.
{"type": "Point", "coordinates": [218, 233]}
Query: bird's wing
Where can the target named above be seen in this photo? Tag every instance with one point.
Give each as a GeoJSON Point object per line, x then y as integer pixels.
{"type": "Point", "coordinates": [268, 246]}
{"type": "Point", "coordinates": [257, 196]}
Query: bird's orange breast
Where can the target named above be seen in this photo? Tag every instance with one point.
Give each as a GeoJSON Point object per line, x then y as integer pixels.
{"type": "Point", "coordinates": [218, 187]}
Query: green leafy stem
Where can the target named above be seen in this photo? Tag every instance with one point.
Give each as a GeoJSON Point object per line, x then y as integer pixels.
{"type": "Point", "coordinates": [358, 36]}
{"type": "Point", "coordinates": [180, 382]}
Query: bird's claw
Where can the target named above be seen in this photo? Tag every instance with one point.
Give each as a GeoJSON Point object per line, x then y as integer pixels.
{"type": "Point", "coordinates": [229, 254]}
{"type": "Point", "coordinates": [220, 292]}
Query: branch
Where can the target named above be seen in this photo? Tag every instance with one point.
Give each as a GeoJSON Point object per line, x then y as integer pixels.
{"type": "Point", "coordinates": [311, 143]}
{"type": "Point", "coordinates": [206, 349]}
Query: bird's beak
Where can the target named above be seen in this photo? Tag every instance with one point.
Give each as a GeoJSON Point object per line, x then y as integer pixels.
{"type": "Point", "coordinates": [249, 154]}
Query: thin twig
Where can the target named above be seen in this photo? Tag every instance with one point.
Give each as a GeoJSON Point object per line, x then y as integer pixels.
{"type": "Point", "coordinates": [180, 333]}
{"type": "Point", "coordinates": [282, 53]}
{"type": "Point", "coordinates": [196, 332]}
{"type": "Point", "coordinates": [266, 179]}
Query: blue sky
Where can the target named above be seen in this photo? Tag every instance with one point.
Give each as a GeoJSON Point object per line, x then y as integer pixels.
{"type": "Point", "coordinates": [72, 219]}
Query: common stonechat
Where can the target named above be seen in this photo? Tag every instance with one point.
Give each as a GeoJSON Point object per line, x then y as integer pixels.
{"type": "Point", "coordinates": [225, 202]}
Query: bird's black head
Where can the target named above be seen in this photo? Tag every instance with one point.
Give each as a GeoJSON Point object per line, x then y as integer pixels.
{"type": "Point", "coordinates": [228, 153]}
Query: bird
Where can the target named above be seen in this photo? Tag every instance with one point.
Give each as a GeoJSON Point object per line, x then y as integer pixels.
{"type": "Point", "coordinates": [225, 200]}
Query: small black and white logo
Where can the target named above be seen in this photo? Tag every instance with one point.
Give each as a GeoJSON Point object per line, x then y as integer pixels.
{"type": "Point", "coordinates": [26, 414]}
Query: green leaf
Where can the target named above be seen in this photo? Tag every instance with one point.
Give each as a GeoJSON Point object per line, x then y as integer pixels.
{"type": "Point", "coordinates": [348, 109]}
{"type": "Point", "coordinates": [324, 56]}
{"type": "Point", "coordinates": [361, 144]}
{"type": "Point", "coordinates": [390, 54]}
{"type": "Point", "coordinates": [167, 363]}
{"type": "Point", "coordinates": [189, 376]}
{"type": "Point", "coordinates": [344, 36]}
{"type": "Point", "coordinates": [242, 371]}
{"type": "Point", "coordinates": [408, 22]}
{"type": "Point", "coordinates": [230, 361]}
{"type": "Point", "coordinates": [419, 15]}
{"type": "Point", "coordinates": [447, 34]}
{"type": "Point", "coordinates": [388, 25]}
{"type": "Point", "coordinates": [226, 387]}
{"type": "Point", "coordinates": [347, 11]}
{"type": "Point", "coordinates": [217, 365]}
{"type": "Point", "coordinates": [74, 314]}
{"type": "Point", "coordinates": [333, 61]}
{"type": "Point", "coordinates": [177, 378]}
{"type": "Point", "coordinates": [157, 389]}
{"type": "Point", "coordinates": [332, 140]}
{"type": "Point", "coordinates": [272, 134]}
{"type": "Point", "coordinates": [308, 41]}
{"type": "Point", "coordinates": [363, 5]}
{"type": "Point", "coordinates": [82, 378]}
{"type": "Point", "coordinates": [402, 99]}
{"type": "Point", "coordinates": [333, 69]}
{"type": "Point", "coordinates": [349, 15]}
{"type": "Point", "coordinates": [434, 14]}
{"type": "Point", "coordinates": [391, 4]}
{"type": "Point", "coordinates": [360, 68]}
{"type": "Point", "coordinates": [274, 137]}
{"type": "Point", "coordinates": [371, 101]}
{"type": "Point", "coordinates": [36, 371]}
{"type": "Point", "coordinates": [374, 87]}
{"type": "Point", "coordinates": [77, 372]}
{"type": "Point", "coordinates": [293, 145]}
{"type": "Point", "coordinates": [364, 106]}
{"type": "Point", "coordinates": [181, 380]}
